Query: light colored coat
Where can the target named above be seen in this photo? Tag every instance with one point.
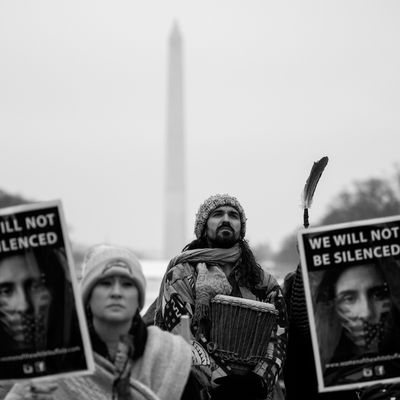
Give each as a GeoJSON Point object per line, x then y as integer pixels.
{"type": "Point", "coordinates": [160, 374]}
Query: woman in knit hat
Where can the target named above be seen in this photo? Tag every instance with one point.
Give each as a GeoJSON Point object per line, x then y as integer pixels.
{"type": "Point", "coordinates": [132, 361]}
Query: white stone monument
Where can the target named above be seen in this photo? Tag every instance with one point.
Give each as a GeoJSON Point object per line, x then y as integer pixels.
{"type": "Point", "coordinates": [174, 227]}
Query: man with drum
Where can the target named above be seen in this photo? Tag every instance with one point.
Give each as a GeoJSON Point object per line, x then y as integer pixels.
{"type": "Point", "coordinates": [220, 262]}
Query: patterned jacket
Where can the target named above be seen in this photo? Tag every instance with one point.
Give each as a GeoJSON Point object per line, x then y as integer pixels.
{"type": "Point", "coordinates": [177, 298]}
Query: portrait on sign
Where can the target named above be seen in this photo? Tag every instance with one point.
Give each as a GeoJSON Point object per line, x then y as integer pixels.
{"type": "Point", "coordinates": [41, 331]}
{"type": "Point", "coordinates": [351, 274]}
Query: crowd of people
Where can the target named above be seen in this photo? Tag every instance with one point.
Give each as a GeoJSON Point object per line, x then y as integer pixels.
{"type": "Point", "coordinates": [159, 355]}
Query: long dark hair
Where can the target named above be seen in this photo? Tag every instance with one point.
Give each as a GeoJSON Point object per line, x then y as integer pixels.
{"type": "Point", "coordinates": [250, 272]}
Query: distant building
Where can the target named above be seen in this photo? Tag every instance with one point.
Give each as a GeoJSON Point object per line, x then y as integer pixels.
{"type": "Point", "coordinates": [174, 227]}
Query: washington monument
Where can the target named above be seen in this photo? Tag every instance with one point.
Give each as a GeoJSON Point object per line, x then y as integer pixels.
{"type": "Point", "coordinates": [174, 227]}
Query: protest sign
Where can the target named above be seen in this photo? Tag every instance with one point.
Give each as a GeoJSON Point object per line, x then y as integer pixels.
{"type": "Point", "coordinates": [351, 275]}
{"type": "Point", "coordinates": [43, 329]}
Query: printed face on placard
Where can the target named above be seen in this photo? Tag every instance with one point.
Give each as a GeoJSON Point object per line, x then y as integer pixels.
{"type": "Point", "coordinates": [362, 302]}
{"type": "Point", "coordinates": [24, 302]}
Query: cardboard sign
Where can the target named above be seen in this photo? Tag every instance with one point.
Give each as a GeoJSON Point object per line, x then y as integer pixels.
{"type": "Point", "coordinates": [43, 329]}
{"type": "Point", "coordinates": [351, 275]}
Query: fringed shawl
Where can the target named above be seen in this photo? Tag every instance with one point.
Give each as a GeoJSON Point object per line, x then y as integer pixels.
{"type": "Point", "coordinates": [206, 257]}
{"type": "Point", "coordinates": [160, 374]}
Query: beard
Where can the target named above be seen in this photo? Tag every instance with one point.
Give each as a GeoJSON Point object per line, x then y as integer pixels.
{"type": "Point", "coordinates": [223, 241]}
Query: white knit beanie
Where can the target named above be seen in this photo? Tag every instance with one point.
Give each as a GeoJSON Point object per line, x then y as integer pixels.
{"type": "Point", "coordinates": [107, 260]}
{"type": "Point", "coordinates": [212, 203]}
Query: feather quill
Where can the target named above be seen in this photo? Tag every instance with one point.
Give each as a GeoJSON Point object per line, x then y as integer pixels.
{"type": "Point", "coordinates": [310, 186]}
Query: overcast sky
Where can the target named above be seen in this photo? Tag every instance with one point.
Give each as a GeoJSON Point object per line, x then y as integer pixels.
{"type": "Point", "coordinates": [270, 87]}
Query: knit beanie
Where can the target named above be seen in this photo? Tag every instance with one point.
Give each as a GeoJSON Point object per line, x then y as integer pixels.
{"type": "Point", "coordinates": [106, 260]}
{"type": "Point", "coordinates": [213, 202]}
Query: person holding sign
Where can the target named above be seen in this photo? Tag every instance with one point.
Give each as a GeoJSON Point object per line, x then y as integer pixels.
{"type": "Point", "coordinates": [132, 361]}
{"type": "Point", "coordinates": [358, 312]}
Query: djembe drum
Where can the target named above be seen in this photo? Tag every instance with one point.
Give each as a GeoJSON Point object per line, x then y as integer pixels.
{"type": "Point", "coordinates": [240, 331]}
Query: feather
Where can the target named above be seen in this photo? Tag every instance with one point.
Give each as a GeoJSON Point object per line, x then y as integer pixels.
{"type": "Point", "coordinates": [311, 184]}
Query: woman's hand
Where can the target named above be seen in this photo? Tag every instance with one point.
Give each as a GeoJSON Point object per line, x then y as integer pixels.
{"type": "Point", "coordinates": [32, 391]}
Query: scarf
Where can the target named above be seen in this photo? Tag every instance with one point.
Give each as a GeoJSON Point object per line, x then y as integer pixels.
{"type": "Point", "coordinates": [160, 373]}
{"type": "Point", "coordinates": [211, 280]}
{"type": "Point", "coordinates": [207, 256]}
